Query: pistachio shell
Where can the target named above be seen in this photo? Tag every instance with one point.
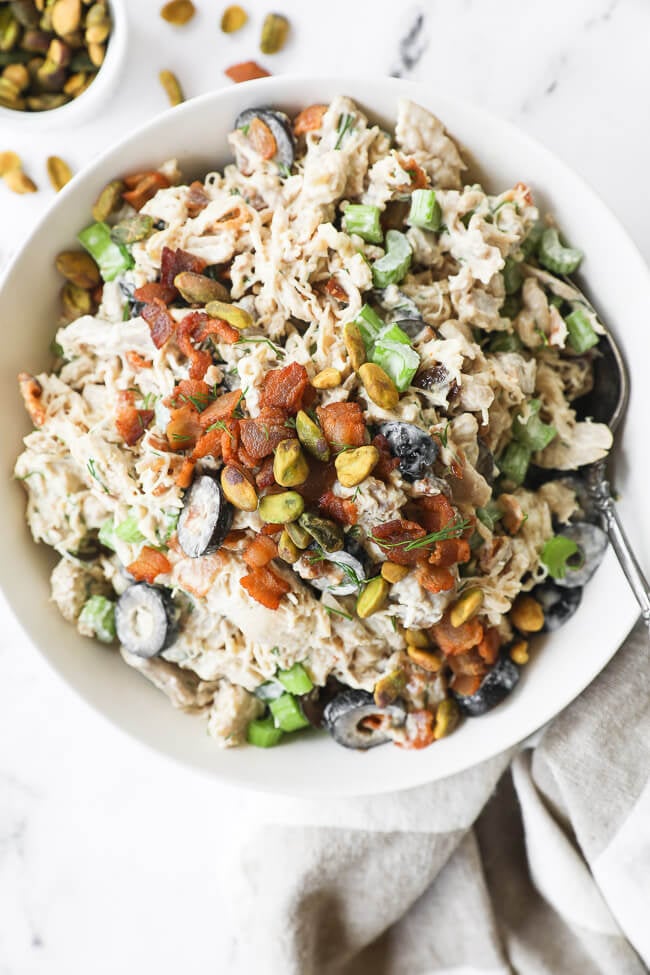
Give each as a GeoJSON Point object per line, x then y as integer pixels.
{"type": "Point", "coordinates": [447, 715]}
{"type": "Point", "coordinates": [132, 229]}
{"type": "Point", "coordinates": [108, 201]}
{"type": "Point", "coordinates": [37, 41]}
{"type": "Point", "coordinates": [327, 533]}
{"type": "Point", "coordinates": [379, 386]}
{"type": "Point", "coordinates": [25, 12]}
{"type": "Point", "coordinates": [59, 173]}
{"type": "Point", "coordinates": [79, 268]}
{"type": "Point", "coordinates": [47, 101]}
{"type": "Point", "coordinates": [354, 345]}
{"type": "Point", "coordinates": [289, 465]}
{"type": "Point", "coordinates": [199, 289]}
{"type": "Point", "coordinates": [288, 551]}
{"type": "Point", "coordinates": [519, 652]}
{"type": "Point", "coordinates": [389, 687]}
{"type": "Point", "coordinates": [311, 437]}
{"type": "Point", "coordinates": [418, 638]}
{"type": "Point", "coordinates": [279, 509]}
{"type": "Point", "coordinates": [75, 301]}
{"type": "Point", "coordinates": [354, 466]}
{"type": "Point", "coordinates": [392, 572]}
{"type": "Point", "coordinates": [237, 317]}
{"type": "Point", "coordinates": [233, 19]}
{"type": "Point", "coordinates": [9, 93]}
{"type": "Point", "coordinates": [66, 16]}
{"type": "Point", "coordinates": [178, 12]}
{"type": "Point", "coordinates": [9, 29]}
{"type": "Point", "coordinates": [8, 161]}
{"type": "Point", "coordinates": [426, 659]}
{"type": "Point", "coordinates": [274, 33]}
{"type": "Point", "coordinates": [329, 378]}
{"type": "Point", "coordinates": [97, 53]}
{"type": "Point", "coordinates": [18, 75]}
{"type": "Point", "coordinates": [466, 606]}
{"type": "Point", "coordinates": [301, 538]}
{"type": "Point", "coordinates": [75, 84]}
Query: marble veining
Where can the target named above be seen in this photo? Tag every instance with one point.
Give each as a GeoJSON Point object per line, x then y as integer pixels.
{"type": "Point", "coordinates": [111, 858]}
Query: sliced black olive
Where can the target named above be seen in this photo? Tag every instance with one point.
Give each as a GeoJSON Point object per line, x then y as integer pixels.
{"type": "Point", "coordinates": [414, 447]}
{"type": "Point", "coordinates": [349, 719]}
{"type": "Point", "coordinates": [280, 126]}
{"type": "Point", "coordinates": [592, 544]}
{"type": "Point", "coordinates": [495, 687]}
{"type": "Point", "coordinates": [485, 464]}
{"type": "Point", "coordinates": [353, 574]}
{"type": "Point", "coordinates": [135, 307]}
{"type": "Point", "coordinates": [313, 704]}
{"type": "Point", "coordinates": [145, 619]}
{"type": "Point", "coordinates": [205, 519]}
{"type": "Point", "coordinates": [558, 604]}
{"type": "Point", "coordinates": [436, 379]}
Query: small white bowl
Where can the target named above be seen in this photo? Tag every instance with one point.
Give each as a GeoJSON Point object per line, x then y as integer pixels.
{"type": "Point", "coordinates": [95, 95]}
{"type": "Point", "coordinates": [562, 664]}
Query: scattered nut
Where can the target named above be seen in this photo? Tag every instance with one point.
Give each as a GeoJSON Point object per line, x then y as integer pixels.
{"type": "Point", "coordinates": [274, 33]}
{"type": "Point", "coordinates": [75, 302]}
{"type": "Point", "coordinates": [59, 173]}
{"type": "Point", "coordinates": [79, 268]}
{"type": "Point", "coordinates": [312, 437]}
{"type": "Point", "coordinates": [379, 386]}
{"type": "Point", "coordinates": [19, 182]}
{"type": "Point", "coordinates": [389, 687]}
{"type": "Point", "coordinates": [108, 201]}
{"type": "Point", "coordinates": [280, 509]}
{"type": "Point", "coordinates": [238, 489]}
{"type": "Point", "coordinates": [372, 598]}
{"type": "Point", "coordinates": [354, 345]}
{"type": "Point", "coordinates": [178, 12]}
{"type": "Point", "coordinates": [298, 535]}
{"type": "Point", "coordinates": [329, 378]}
{"type": "Point", "coordinates": [66, 16]}
{"type": "Point", "coordinates": [235, 316]}
{"type": "Point", "coordinates": [392, 572]}
{"type": "Point", "coordinates": [172, 86]}
{"type": "Point", "coordinates": [288, 551]}
{"type": "Point", "coordinates": [354, 466]}
{"type": "Point", "coordinates": [519, 652]}
{"type": "Point", "coordinates": [447, 715]}
{"type": "Point", "coordinates": [527, 614]}
{"type": "Point", "coordinates": [8, 161]}
{"type": "Point", "coordinates": [233, 19]}
{"type": "Point", "coordinates": [198, 289]}
{"type": "Point", "coordinates": [417, 638]}
{"type": "Point", "coordinates": [466, 606]}
{"type": "Point", "coordinates": [426, 659]}
{"type": "Point", "coordinates": [326, 533]}
{"type": "Point", "coordinates": [18, 75]}
{"type": "Point", "coordinates": [290, 467]}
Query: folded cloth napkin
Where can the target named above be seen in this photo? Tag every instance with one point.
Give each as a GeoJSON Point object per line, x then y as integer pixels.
{"type": "Point", "coordinates": [535, 862]}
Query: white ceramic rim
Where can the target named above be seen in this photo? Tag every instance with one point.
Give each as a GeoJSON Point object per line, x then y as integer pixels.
{"type": "Point", "coordinates": [107, 77]}
{"type": "Point", "coordinates": [447, 756]}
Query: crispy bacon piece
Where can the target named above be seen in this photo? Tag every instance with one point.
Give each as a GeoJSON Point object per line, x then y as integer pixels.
{"type": "Point", "coordinates": [309, 120]}
{"type": "Point", "coordinates": [261, 550]}
{"type": "Point", "coordinates": [159, 321]}
{"type": "Point", "coordinates": [265, 586]}
{"type": "Point", "coordinates": [136, 361]}
{"type": "Point", "coordinates": [222, 408]}
{"type": "Point", "coordinates": [149, 564]}
{"type": "Point", "coordinates": [418, 178]}
{"type": "Point", "coordinates": [468, 664]}
{"type": "Point", "coordinates": [435, 579]}
{"type": "Point", "coordinates": [342, 510]}
{"type": "Point", "coordinates": [155, 289]}
{"type": "Point", "coordinates": [194, 392]}
{"type": "Point", "coordinates": [343, 424]}
{"type": "Point", "coordinates": [261, 138]}
{"type": "Point", "coordinates": [435, 511]}
{"type": "Point", "coordinates": [185, 474]}
{"type": "Point", "coordinates": [261, 436]}
{"type": "Point", "coordinates": [183, 429]}
{"type": "Point", "coordinates": [145, 189]}
{"type": "Point", "coordinates": [386, 462]}
{"type": "Point", "coordinates": [393, 536]}
{"type": "Point", "coordinates": [234, 539]}
{"type": "Point", "coordinates": [129, 421]}
{"type": "Point", "coordinates": [450, 552]}
{"type": "Point", "coordinates": [31, 392]}
{"type": "Point", "coordinates": [230, 441]}
{"type": "Point", "coordinates": [457, 639]}
{"type": "Point", "coordinates": [197, 199]}
{"type": "Point", "coordinates": [465, 684]}
{"type": "Point", "coordinates": [209, 444]}
{"type": "Point", "coordinates": [488, 648]}
{"type": "Point", "coordinates": [197, 326]}
{"type": "Point", "coordinates": [336, 290]}
{"type": "Point", "coordinates": [265, 477]}
{"type": "Point", "coordinates": [283, 388]}
{"type": "Point", "coordinates": [246, 71]}
{"type": "Point", "coordinates": [173, 262]}
{"type": "Point", "coordinates": [420, 725]}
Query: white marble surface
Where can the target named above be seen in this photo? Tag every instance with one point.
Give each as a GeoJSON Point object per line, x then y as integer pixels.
{"type": "Point", "coordinates": [111, 858]}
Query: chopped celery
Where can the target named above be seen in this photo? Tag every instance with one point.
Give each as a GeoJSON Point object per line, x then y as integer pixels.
{"type": "Point", "coordinates": [269, 690]}
{"type": "Point", "coordinates": [512, 276]}
{"type": "Point", "coordinates": [98, 614]}
{"type": "Point", "coordinates": [128, 531]}
{"type": "Point", "coordinates": [556, 554]}
{"type": "Point", "coordinates": [514, 462]}
{"type": "Point", "coordinates": [581, 332]}
{"type": "Point", "coordinates": [370, 325]}
{"type": "Point", "coordinates": [400, 361]}
{"type": "Point", "coordinates": [363, 220]}
{"type": "Point", "coordinates": [111, 258]}
{"type": "Point", "coordinates": [391, 268]}
{"type": "Point", "coordinates": [287, 714]}
{"type": "Point", "coordinates": [296, 680]}
{"type": "Point", "coordinates": [511, 307]}
{"type": "Point", "coordinates": [554, 256]}
{"type": "Point", "coordinates": [107, 534]}
{"type": "Point", "coordinates": [393, 333]}
{"type": "Point", "coordinates": [262, 733]}
{"type": "Point", "coordinates": [490, 515]}
{"type": "Point", "coordinates": [534, 433]}
{"type": "Point", "coordinates": [425, 210]}
{"type": "Point", "coordinates": [531, 243]}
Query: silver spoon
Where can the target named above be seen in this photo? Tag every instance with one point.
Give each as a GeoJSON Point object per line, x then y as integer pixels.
{"type": "Point", "coordinates": [606, 403]}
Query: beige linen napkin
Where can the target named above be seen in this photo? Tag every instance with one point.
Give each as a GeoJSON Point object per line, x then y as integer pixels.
{"type": "Point", "coordinates": [536, 862]}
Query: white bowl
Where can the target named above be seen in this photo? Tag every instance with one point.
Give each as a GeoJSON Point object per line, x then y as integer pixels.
{"type": "Point", "coordinates": [195, 133]}
{"type": "Point", "coordinates": [88, 103]}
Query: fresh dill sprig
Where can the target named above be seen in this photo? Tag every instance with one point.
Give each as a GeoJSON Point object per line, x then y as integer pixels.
{"type": "Point", "coordinates": [454, 530]}
{"type": "Point", "coordinates": [257, 341]}
{"type": "Point", "coordinates": [336, 612]}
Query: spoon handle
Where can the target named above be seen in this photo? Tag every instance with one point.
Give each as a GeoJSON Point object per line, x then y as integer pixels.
{"type": "Point", "coordinates": [601, 494]}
